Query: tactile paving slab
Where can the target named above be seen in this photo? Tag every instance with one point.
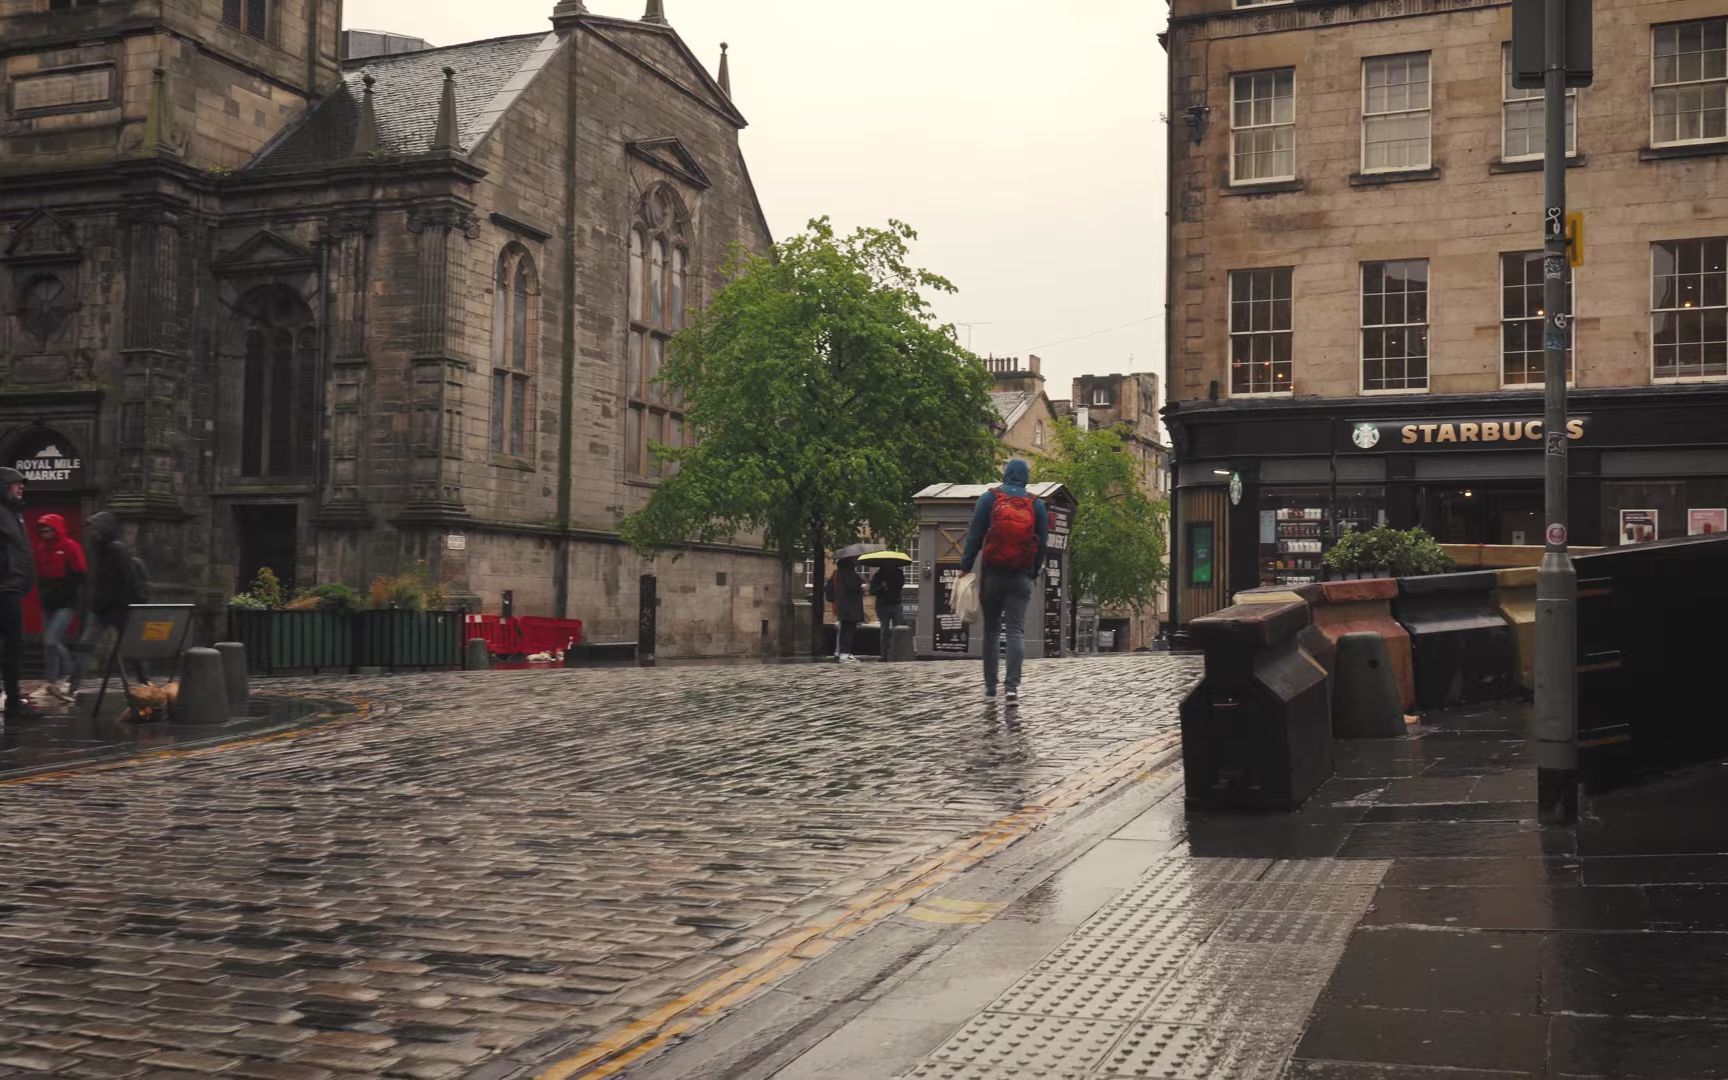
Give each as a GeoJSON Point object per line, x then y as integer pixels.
{"type": "Point", "coordinates": [1100, 997]}
{"type": "Point", "coordinates": [1182, 868]}
{"type": "Point", "coordinates": [1316, 899]}
{"type": "Point", "coordinates": [1242, 1004]}
{"type": "Point", "coordinates": [954, 1070]}
{"type": "Point", "coordinates": [1186, 894]}
{"type": "Point", "coordinates": [1149, 921]}
{"type": "Point", "coordinates": [1034, 1045]}
{"type": "Point", "coordinates": [1287, 928]}
{"type": "Point", "coordinates": [1194, 1053]}
{"type": "Point", "coordinates": [1129, 958]}
{"type": "Point", "coordinates": [1230, 960]}
{"type": "Point", "coordinates": [1328, 871]}
{"type": "Point", "coordinates": [1202, 968]}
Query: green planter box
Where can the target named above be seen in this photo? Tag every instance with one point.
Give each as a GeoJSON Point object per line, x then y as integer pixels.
{"type": "Point", "coordinates": [408, 639]}
{"type": "Point", "coordinates": [279, 641]}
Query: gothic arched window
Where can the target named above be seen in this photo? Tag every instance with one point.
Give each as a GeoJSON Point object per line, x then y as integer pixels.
{"type": "Point", "coordinates": [515, 332]}
{"type": "Point", "coordinates": [44, 306]}
{"type": "Point", "coordinates": [279, 401]}
{"type": "Point", "coordinates": [658, 292]}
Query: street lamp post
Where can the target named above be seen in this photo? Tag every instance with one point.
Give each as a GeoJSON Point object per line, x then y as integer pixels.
{"type": "Point", "coordinates": [1557, 580]}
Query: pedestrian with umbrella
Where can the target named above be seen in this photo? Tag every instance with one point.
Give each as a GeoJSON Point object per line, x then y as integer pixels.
{"type": "Point", "coordinates": [888, 586]}
{"type": "Point", "coordinates": [846, 592]}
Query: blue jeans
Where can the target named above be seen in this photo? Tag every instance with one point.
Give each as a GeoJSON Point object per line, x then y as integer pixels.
{"type": "Point", "coordinates": [888, 616]}
{"type": "Point", "coordinates": [1004, 596]}
{"type": "Point", "coordinates": [56, 657]}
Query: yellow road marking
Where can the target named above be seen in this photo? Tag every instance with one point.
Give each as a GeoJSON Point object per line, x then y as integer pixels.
{"type": "Point", "coordinates": [943, 918]}
{"type": "Point", "coordinates": [665, 1024]}
{"type": "Point", "coordinates": [962, 907]}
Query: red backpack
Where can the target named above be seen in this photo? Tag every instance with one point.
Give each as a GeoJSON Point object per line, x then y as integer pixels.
{"type": "Point", "coordinates": [1012, 542]}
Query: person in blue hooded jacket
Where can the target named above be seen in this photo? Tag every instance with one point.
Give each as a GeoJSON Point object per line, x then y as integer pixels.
{"type": "Point", "coordinates": [1011, 531]}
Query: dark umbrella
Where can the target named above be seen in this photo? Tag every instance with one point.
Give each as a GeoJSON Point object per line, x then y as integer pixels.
{"type": "Point", "coordinates": [852, 551]}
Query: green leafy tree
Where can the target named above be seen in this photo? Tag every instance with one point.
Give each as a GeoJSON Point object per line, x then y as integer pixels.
{"type": "Point", "coordinates": [823, 395]}
{"type": "Point", "coordinates": [1116, 548]}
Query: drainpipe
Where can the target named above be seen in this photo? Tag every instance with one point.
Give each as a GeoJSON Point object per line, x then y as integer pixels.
{"type": "Point", "coordinates": [566, 406]}
{"type": "Point", "coordinates": [320, 471]}
{"type": "Point", "coordinates": [1170, 206]}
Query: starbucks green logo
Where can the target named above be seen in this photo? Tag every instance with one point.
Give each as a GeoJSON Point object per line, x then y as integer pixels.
{"type": "Point", "coordinates": [1367, 436]}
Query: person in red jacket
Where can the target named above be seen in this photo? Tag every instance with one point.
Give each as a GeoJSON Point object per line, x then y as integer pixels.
{"type": "Point", "coordinates": [60, 572]}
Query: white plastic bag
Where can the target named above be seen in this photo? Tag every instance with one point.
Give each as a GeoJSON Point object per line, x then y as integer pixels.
{"type": "Point", "coordinates": [966, 598]}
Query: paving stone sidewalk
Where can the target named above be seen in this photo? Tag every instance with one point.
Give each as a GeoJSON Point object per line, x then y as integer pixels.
{"type": "Point", "coordinates": [491, 867]}
{"type": "Point", "coordinates": [1413, 921]}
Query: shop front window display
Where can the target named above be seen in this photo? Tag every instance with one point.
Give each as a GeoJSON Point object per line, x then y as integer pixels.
{"type": "Point", "coordinates": [1299, 525]}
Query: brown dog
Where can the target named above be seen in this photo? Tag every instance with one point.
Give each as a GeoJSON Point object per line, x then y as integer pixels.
{"type": "Point", "coordinates": [151, 703]}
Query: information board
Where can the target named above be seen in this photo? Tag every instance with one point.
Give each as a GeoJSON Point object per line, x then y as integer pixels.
{"type": "Point", "coordinates": [952, 634]}
{"type": "Point", "coordinates": [1055, 566]}
{"type": "Point", "coordinates": [156, 631]}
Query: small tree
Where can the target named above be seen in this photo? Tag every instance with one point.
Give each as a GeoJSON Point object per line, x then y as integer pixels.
{"type": "Point", "coordinates": [1116, 548]}
{"type": "Point", "coordinates": [823, 395]}
{"type": "Point", "coordinates": [266, 593]}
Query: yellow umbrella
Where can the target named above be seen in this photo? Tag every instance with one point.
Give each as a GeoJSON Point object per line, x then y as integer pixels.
{"type": "Point", "coordinates": [886, 556]}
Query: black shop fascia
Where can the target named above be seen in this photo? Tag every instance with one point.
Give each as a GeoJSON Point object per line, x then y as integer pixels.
{"type": "Point", "coordinates": [1264, 487]}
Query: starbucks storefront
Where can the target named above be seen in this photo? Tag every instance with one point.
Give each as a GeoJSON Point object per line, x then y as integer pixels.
{"type": "Point", "coordinates": [1265, 487]}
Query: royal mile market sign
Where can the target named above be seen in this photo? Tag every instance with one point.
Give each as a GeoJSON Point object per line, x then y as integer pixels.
{"type": "Point", "coordinates": [49, 461]}
{"type": "Point", "coordinates": [1393, 436]}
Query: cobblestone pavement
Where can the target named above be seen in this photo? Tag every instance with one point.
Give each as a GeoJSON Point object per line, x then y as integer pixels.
{"type": "Point", "coordinates": [487, 869]}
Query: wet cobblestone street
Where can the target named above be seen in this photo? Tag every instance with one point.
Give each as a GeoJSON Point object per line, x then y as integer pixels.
{"type": "Point", "coordinates": [482, 870]}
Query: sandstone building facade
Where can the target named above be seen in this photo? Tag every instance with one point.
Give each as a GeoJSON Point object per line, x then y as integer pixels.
{"type": "Point", "coordinates": [337, 317]}
{"type": "Point", "coordinates": [1129, 404]}
{"type": "Point", "coordinates": [1027, 418]}
{"type": "Point", "coordinates": [1355, 196]}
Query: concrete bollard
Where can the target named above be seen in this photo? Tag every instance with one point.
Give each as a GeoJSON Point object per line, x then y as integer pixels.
{"type": "Point", "coordinates": [1367, 703]}
{"type": "Point", "coordinates": [1461, 645]}
{"type": "Point", "coordinates": [203, 689]}
{"type": "Point", "coordinates": [900, 644]}
{"type": "Point", "coordinates": [1255, 731]}
{"type": "Point", "coordinates": [478, 657]}
{"type": "Point", "coordinates": [234, 671]}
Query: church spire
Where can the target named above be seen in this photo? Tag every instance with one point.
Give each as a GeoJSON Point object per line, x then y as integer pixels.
{"type": "Point", "coordinates": [366, 131]}
{"type": "Point", "coordinates": [725, 79]}
{"type": "Point", "coordinates": [445, 137]}
{"type": "Point", "coordinates": [656, 12]}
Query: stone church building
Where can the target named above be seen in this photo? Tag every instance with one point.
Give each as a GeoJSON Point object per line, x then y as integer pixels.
{"type": "Point", "coordinates": [337, 317]}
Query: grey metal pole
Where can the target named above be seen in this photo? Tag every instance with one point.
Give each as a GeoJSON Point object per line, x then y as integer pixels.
{"type": "Point", "coordinates": [1557, 580]}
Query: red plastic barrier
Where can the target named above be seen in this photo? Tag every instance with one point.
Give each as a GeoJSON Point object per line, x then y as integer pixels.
{"type": "Point", "coordinates": [542, 635]}
{"type": "Point", "coordinates": [525, 635]}
{"type": "Point", "coordinates": [499, 634]}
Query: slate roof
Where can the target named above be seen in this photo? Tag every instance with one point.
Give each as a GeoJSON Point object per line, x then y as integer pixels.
{"type": "Point", "coordinates": [405, 99]}
{"type": "Point", "coordinates": [1009, 403]}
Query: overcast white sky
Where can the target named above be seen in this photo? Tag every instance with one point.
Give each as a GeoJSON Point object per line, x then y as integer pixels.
{"type": "Point", "coordinates": [1021, 139]}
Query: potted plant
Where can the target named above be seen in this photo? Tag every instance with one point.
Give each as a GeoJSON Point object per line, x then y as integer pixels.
{"type": "Point", "coordinates": [1387, 552]}
{"type": "Point", "coordinates": [309, 632]}
{"type": "Point", "coordinates": [406, 626]}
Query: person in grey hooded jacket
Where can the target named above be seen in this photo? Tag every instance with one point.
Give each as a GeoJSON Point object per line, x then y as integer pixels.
{"type": "Point", "coordinates": [115, 582]}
